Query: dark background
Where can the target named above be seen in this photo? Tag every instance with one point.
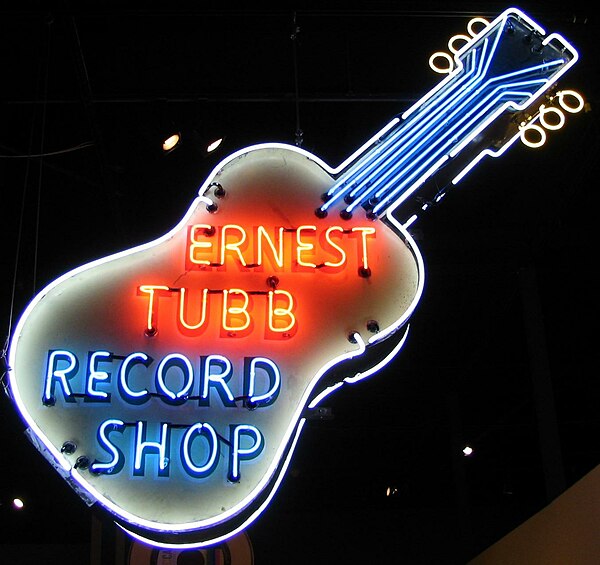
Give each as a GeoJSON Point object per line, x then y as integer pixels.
{"type": "Point", "coordinates": [502, 353]}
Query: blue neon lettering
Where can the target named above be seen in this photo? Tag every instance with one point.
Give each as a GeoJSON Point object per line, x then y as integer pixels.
{"type": "Point", "coordinates": [144, 447]}
{"type": "Point", "coordinates": [94, 376]}
{"type": "Point", "coordinates": [57, 372]}
{"type": "Point", "coordinates": [118, 459]}
{"type": "Point", "coordinates": [212, 457]}
{"type": "Point", "coordinates": [237, 453]}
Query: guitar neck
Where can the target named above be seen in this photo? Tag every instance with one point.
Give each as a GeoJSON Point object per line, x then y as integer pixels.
{"type": "Point", "coordinates": [486, 84]}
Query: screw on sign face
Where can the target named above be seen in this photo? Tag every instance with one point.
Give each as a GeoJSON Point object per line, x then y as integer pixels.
{"type": "Point", "coordinates": [170, 382]}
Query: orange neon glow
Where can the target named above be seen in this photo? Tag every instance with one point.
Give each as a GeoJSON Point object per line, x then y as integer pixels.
{"type": "Point", "coordinates": [276, 313]}
{"type": "Point", "coordinates": [224, 286]}
{"type": "Point", "coordinates": [277, 252]}
{"type": "Point", "coordinates": [364, 232]}
{"type": "Point", "coordinates": [196, 246]}
{"type": "Point", "coordinates": [182, 310]}
{"type": "Point", "coordinates": [304, 246]}
{"type": "Point", "coordinates": [235, 246]}
{"type": "Point", "coordinates": [335, 246]}
{"type": "Point", "coordinates": [260, 247]}
{"type": "Point", "coordinates": [237, 311]}
{"type": "Point", "coordinates": [151, 314]}
{"type": "Point", "coordinates": [233, 314]}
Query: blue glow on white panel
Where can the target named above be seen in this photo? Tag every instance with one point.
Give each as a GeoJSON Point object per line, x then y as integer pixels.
{"type": "Point", "coordinates": [212, 441]}
{"type": "Point", "coordinates": [272, 371]}
{"type": "Point", "coordinates": [177, 360]}
{"type": "Point", "coordinates": [237, 453]}
{"type": "Point", "coordinates": [134, 396]}
{"type": "Point", "coordinates": [94, 375]}
{"type": "Point", "coordinates": [143, 446]}
{"type": "Point", "coordinates": [218, 380]}
{"type": "Point", "coordinates": [117, 460]}
{"type": "Point", "coordinates": [251, 518]}
{"type": "Point", "coordinates": [62, 375]}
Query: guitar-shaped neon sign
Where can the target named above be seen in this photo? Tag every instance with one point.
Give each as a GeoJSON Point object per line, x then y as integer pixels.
{"type": "Point", "coordinates": [171, 382]}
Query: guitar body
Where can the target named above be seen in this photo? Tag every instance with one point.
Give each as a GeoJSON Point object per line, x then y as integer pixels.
{"type": "Point", "coordinates": [373, 276]}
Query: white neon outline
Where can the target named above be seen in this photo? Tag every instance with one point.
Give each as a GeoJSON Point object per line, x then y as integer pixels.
{"type": "Point", "coordinates": [140, 447]}
{"type": "Point", "coordinates": [236, 509]}
{"type": "Point", "coordinates": [259, 510]}
{"type": "Point", "coordinates": [499, 92]}
{"type": "Point", "coordinates": [95, 375]}
{"type": "Point", "coordinates": [185, 448]}
{"type": "Point", "coordinates": [76, 474]}
{"type": "Point", "coordinates": [404, 134]}
{"type": "Point", "coordinates": [529, 96]}
{"type": "Point", "coordinates": [495, 153]}
{"type": "Point", "coordinates": [410, 220]}
{"type": "Point", "coordinates": [202, 199]}
{"type": "Point", "coordinates": [317, 399]}
{"type": "Point", "coordinates": [360, 376]}
{"type": "Point", "coordinates": [378, 366]}
{"type": "Point", "coordinates": [160, 376]}
{"type": "Point", "coordinates": [124, 385]}
{"type": "Point", "coordinates": [409, 135]}
{"type": "Point", "coordinates": [273, 389]}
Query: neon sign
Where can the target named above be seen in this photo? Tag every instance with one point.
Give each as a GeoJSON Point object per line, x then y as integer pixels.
{"type": "Point", "coordinates": [170, 382]}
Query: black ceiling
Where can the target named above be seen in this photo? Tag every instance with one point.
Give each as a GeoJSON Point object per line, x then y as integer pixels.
{"type": "Point", "coordinates": [510, 255]}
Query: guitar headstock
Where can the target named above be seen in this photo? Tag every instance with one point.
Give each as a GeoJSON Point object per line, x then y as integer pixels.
{"type": "Point", "coordinates": [527, 63]}
{"type": "Point", "coordinates": [511, 57]}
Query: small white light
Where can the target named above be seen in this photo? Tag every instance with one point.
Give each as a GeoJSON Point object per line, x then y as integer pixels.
{"type": "Point", "coordinates": [391, 491]}
{"type": "Point", "coordinates": [468, 450]}
{"type": "Point", "coordinates": [171, 141]}
{"type": "Point", "coordinates": [212, 146]}
{"type": "Point", "coordinates": [18, 504]}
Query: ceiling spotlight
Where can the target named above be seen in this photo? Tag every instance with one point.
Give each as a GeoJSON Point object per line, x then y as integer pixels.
{"type": "Point", "coordinates": [18, 504]}
{"type": "Point", "coordinates": [468, 450]}
{"type": "Point", "coordinates": [171, 142]}
{"type": "Point", "coordinates": [213, 145]}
